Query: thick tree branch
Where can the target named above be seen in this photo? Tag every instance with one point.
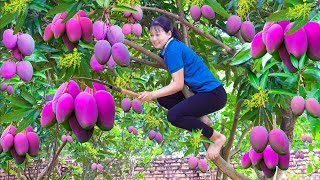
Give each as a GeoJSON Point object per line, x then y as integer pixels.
{"type": "Point", "coordinates": [191, 26]}
{"type": "Point", "coordinates": [149, 63]}
{"type": "Point", "coordinates": [145, 51]}
{"type": "Point", "coordinates": [227, 148]}
{"type": "Point", "coordinates": [183, 27]}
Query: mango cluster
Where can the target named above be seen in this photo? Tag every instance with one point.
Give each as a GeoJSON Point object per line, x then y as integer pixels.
{"type": "Point", "coordinates": [133, 26]}
{"type": "Point", "coordinates": [96, 66]}
{"type": "Point", "coordinates": [21, 45]}
{"type": "Point", "coordinates": [110, 44]}
{"type": "Point", "coordinates": [95, 166]}
{"type": "Point", "coordinates": [311, 105]}
{"type": "Point", "coordinates": [306, 138]}
{"type": "Point", "coordinates": [195, 163]}
{"type": "Point", "coordinates": [6, 87]}
{"type": "Point", "coordinates": [66, 138]}
{"type": "Point", "coordinates": [205, 10]}
{"type": "Point", "coordinates": [127, 104]}
{"type": "Point", "coordinates": [133, 130]}
{"type": "Point", "coordinates": [274, 40]}
{"type": "Point", "coordinates": [299, 155]}
{"type": "Point", "coordinates": [79, 111]}
{"type": "Point", "coordinates": [79, 27]}
{"type": "Point", "coordinates": [268, 150]}
{"type": "Point", "coordinates": [155, 135]}
{"type": "Point", "coordinates": [246, 28]}
{"type": "Point", "coordinates": [18, 145]}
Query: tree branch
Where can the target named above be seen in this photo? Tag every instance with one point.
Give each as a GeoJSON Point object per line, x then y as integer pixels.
{"type": "Point", "coordinates": [183, 27]}
{"type": "Point", "coordinates": [145, 51]}
{"type": "Point", "coordinates": [149, 63]}
{"type": "Point", "coordinates": [195, 29]}
{"type": "Point", "coordinates": [237, 148]}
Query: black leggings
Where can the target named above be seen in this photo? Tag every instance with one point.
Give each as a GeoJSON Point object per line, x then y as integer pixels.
{"type": "Point", "coordinates": [185, 112]}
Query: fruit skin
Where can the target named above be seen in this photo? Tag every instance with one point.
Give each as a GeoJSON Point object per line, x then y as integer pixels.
{"type": "Point", "coordinates": [207, 12]}
{"type": "Point", "coordinates": [255, 157]}
{"type": "Point", "coordinates": [98, 86]}
{"type": "Point", "coordinates": [106, 110]}
{"type": "Point", "coordinates": [136, 106]}
{"type": "Point", "coordinates": [297, 105]}
{"type": "Point", "coordinates": [312, 29]}
{"type": "Point", "coordinates": [297, 42]}
{"type": "Point", "coordinates": [69, 138]}
{"type": "Point", "coordinates": [9, 39]}
{"type": "Point", "coordinates": [3, 86]}
{"type": "Point", "coordinates": [115, 35]}
{"type": "Point", "coordinates": [259, 138]}
{"type": "Point", "coordinates": [313, 107]}
{"type": "Point", "coordinates": [304, 138]}
{"type": "Point", "coordinates": [17, 158]}
{"type": "Point", "coordinates": [86, 29]}
{"type": "Point", "coordinates": [81, 134]}
{"type": "Point", "coordinates": [120, 54]}
{"type": "Point", "coordinates": [61, 90]}
{"type": "Point", "coordinates": [159, 137]}
{"type": "Point", "coordinates": [65, 106]}
{"type": "Point", "coordinates": [247, 31]}
{"type": "Point", "coordinates": [102, 51]}
{"type": "Point", "coordinates": [284, 161]}
{"type": "Point", "coordinates": [274, 38]}
{"type": "Point", "coordinates": [86, 110]}
{"type": "Point", "coordinates": [195, 12]}
{"type": "Point", "coordinates": [285, 58]}
{"type": "Point", "coordinates": [152, 134]}
{"type": "Point", "coordinates": [284, 23]}
{"type": "Point", "coordinates": [64, 138]}
{"type": "Point", "coordinates": [138, 16]}
{"type": "Point", "coordinates": [245, 161]}
{"type": "Point", "coordinates": [137, 29]}
{"type": "Point", "coordinates": [130, 129]}
{"type": "Point", "coordinates": [258, 49]}
{"type": "Point", "coordinates": [126, 29]}
{"type": "Point", "coordinates": [25, 70]}
{"type": "Point", "coordinates": [9, 89]}
{"type": "Point", "coordinates": [278, 141]}
{"type": "Point", "coordinates": [17, 54]}
{"type": "Point", "coordinates": [34, 144]}
{"type": "Point", "coordinates": [68, 43]}
{"type": "Point", "coordinates": [267, 172]}
{"type": "Point", "coordinates": [99, 30]}
{"type": "Point", "coordinates": [59, 28]}
{"type": "Point", "coordinates": [135, 131]}
{"type": "Point", "coordinates": [270, 157]}
{"type": "Point", "coordinates": [111, 64]}
{"type": "Point", "coordinates": [48, 34]}
{"type": "Point", "coordinates": [73, 88]}
{"type": "Point", "coordinates": [233, 25]}
{"type": "Point", "coordinates": [73, 29]}
{"type": "Point", "coordinates": [93, 166]}
{"type": "Point", "coordinates": [203, 166]}
{"type": "Point", "coordinates": [193, 162]}
{"type": "Point", "coordinates": [309, 139]}
{"type": "Point", "coordinates": [265, 30]}
{"type": "Point", "coordinates": [99, 167]}
{"type": "Point", "coordinates": [126, 104]}
{"type": "Point", "coordinates": [21, 144]}
{"type": "Point", "coordinates": [7, 142]}
{"type": "Point", "coordinates": [8, 69]}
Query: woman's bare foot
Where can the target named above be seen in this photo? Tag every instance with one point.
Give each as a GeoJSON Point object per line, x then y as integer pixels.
{"type": "Point", "coordinates": [214, 149]}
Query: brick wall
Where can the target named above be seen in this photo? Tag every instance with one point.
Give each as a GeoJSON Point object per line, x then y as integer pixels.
{"type": "Point", "coordinates": [176, 168]}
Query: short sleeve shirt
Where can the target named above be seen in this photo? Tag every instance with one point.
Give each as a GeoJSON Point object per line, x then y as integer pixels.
{"type": "Point", "coordinates": [196, 73]}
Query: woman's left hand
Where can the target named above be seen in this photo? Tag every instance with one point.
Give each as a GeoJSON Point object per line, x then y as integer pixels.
{"type": "Point", "coordinates": [145, 96]}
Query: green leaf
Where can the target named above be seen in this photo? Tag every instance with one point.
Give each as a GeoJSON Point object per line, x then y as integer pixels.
{"type": "Point", "coordinates": [19, 102]}
{"type": "Point", "coordinates": [287, 75]}
{"type": "Point", "coordinates": [217, 7]}
{"type": "Point", "coordinates": [309, 168]}
{"type": "Point", "coordinates": [264, 80]}
{"type": "Point", "coordinates": [253, 79]}
{"type": "Point", "coordinates": [302, 61]}
{"type": "Point", "coordinates": [22, 17]}
{"type": "Point", "coordinates": [38, 23]}
{"type": "Point", "coordinates": [103, 3]}
{"type": "Point", "coordinates": [282, 91]}
{"type": "Point", "coordinates": [74, 9]}
{"type": "Point", "coordinates": [312, 71]}
{"type": "Point", "coordinates": [280, 15]}
{"type": "Point", "coordinates": [206, 140]}
{"type": "Point", "coordinates": [15, 115]}
{"type": "Point", "coordinates": [36, 56]}
{"type": "Point", "coordinates": [189, 151]}
{"type": "Point", "coordinates": [294, 2]}
{"type": "Point", "coordinates": [46, 48]}
{"type": "Point", "coordinates": [301, 21]}
{"type": "Point", "coordinates": [28, 97]}
{"type": "Point", "coordinates": [124, 8]}
{"type": "Point", "coordinates": [242, 56]}
{"type": "Point", "coordinates": [84, 68]}
{"type": "Point", "coordinates": [302, 91]}
{"type": "Point", "coordinates": [294, 61]}
{"type": "Point", "coordinates": [269, 65]}
{"type": "Point", "coordinates": [6, 19]}
{"type": "Point", "coordinates": [61, 8]}
{"type": "Point", "coordinates": [28, 121]}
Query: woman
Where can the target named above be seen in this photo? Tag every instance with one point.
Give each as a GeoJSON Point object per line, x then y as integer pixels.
{"type": "Point", "coordinates": [186, 67]}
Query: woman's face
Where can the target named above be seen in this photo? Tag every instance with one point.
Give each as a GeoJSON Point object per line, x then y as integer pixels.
{"type": "Point", "coordinates": [159, 37]}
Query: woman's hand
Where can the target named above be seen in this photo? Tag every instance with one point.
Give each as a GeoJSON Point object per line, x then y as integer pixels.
{"type": "Point", "coordinates": [145, 96]}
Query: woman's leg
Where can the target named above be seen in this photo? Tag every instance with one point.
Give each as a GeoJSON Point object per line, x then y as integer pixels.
{"type": "Point", "coordinates": [186, 115]}
{"type": "Point", "coordinates": [169, 101]}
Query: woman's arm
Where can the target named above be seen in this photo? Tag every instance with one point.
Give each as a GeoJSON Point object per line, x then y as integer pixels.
{"type": "Point", "coordinates": [173, 87]}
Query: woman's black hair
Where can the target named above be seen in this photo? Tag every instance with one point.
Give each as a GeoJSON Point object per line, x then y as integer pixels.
{"type": "Point", "coordinates": [166, 24]}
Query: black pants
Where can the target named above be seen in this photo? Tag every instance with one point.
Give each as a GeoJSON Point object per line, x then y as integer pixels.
{"type": "Point", "coordinates": [185, 113]}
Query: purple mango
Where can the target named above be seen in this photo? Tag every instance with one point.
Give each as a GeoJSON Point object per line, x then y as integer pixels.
{"type": "Point", "coordinates": [106, 110]}
{"type": "Point", "coordinates": [86, 110]}
{"type": "Point", "coordinates": [270, 157]}
{"type": "Point", "coordinates": [8, 69]}
{"type": "Point", "coordinates": [115, 35]}
{"type": "Point", "coordinates": [25, 70]}
{"type": "Point", "coordinates": [207, 12]}
{"type": "Point", "coordinates": [258, 49]}
{"type": "Point", "coordinates": [247, 31]}
{"type": "Point", "coordinates": [233, 25]}
{"type": "Point", "coordinates": [86, 29]}
{"type": "Point", "coordinates": [274, 38]}
{"type": "Point", "coordinates": [99, 30]}
{"type": "Point", "coordinates": [297, 42]}
{"type": "Point", "coordinates": [285, 57]}
{"type": "Point", "coordinates": [34, 144]}
{"type": "Point", "coordinates": [7, 142]}
{"type": "Point", "coordinates": [195, 12]}
{"type": "Point", "coordinates": [9, 39]}
{"type": "Point", "coordinates": [278, 141]}
{"type": "Point", "coordinates": [73, 88]}
{"type": "Point", "coordinates": [21, 144]}
{"type": "Point", "coordinates": [245, 160]}
{"type": "Point", "coordinates": [102, 51]}
{"type": "Point", "coordinates": [259, 138]}
{"type": "Point", "coordinates": [64, 107]}
{"type": "Point", "coordinates": [120, 54]}
{"type": "Point", "coordinates": [73, 29]}
{"type": "Point", "coordinates": [94, 64]}
{"type": "Point", "coordinates": [312, 29]}
{"type": "Point", "coordinates": [48, 117]}
{"type": "Point", "coordinates": [81, 134]}
{"type": "Point", "coordinates": [48, 33]}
